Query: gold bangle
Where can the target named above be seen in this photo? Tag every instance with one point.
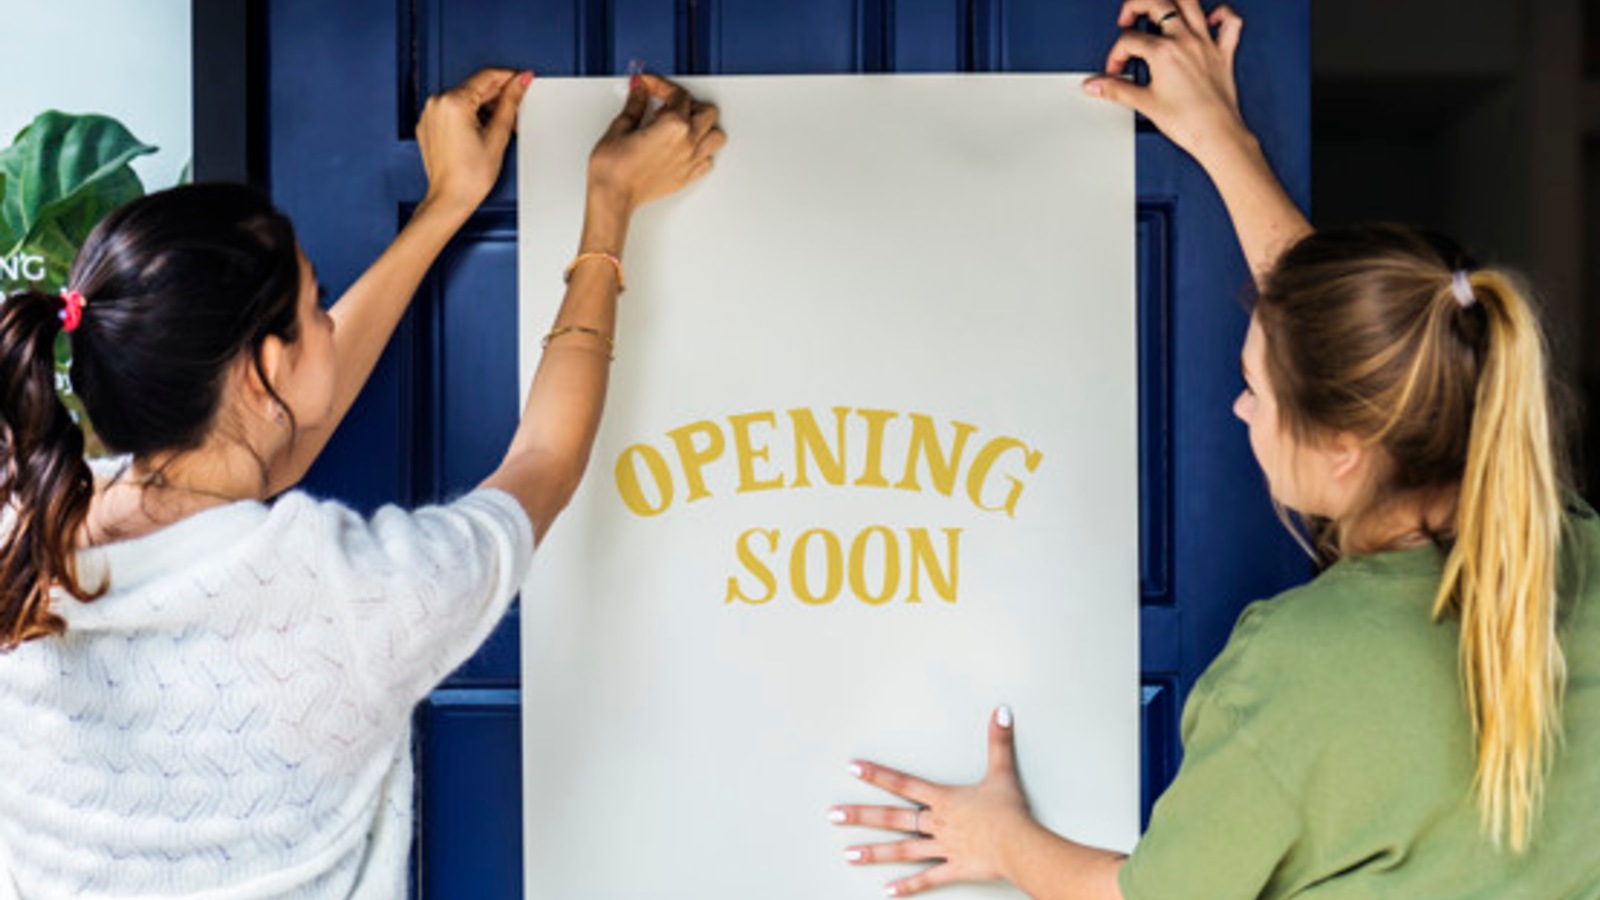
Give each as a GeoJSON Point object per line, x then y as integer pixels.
{"type": "Point", "coordinates": [616, 265]}
{"type": "Point", "coordinates": [580, 329]}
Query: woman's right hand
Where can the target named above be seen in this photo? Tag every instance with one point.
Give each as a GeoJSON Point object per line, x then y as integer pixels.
{"type": "Point", "coordinates": [1191, 96]}
{"type": "Point", "coordinates": [1193, 100]}
{"type": "Point", "coordinates": [642, 157]}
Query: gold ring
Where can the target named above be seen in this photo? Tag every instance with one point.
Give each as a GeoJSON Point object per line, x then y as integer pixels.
{"type": "Point", "coordinates": [1173, 14]}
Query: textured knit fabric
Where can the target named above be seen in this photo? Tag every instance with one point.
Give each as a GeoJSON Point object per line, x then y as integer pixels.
{"type": "Point", "coordinates": [232, 719]}
{"type": "Point", "coordinates": [1329, 754]}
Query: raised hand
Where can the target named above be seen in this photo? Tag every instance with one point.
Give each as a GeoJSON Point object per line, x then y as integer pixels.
{"type": "Point", "coordinates": [642, 157]}
{"type": "Point", "coordinates": [1191, 97]}
{"type": "Point", "coordinates": [463, 135]}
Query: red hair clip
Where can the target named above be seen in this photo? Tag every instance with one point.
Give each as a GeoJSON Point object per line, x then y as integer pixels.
{"type": "Point", "coordinates": [71, 310]}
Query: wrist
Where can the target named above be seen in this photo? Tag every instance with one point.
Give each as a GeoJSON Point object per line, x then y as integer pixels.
{"type": "Point", "coordinates": [605, 224]}
{"type": "Point", "coordinates": [1227, 148]}
{"type": "Point", "coordinates": [443, 209]}
{"type": "Point", "coordinates": [1016, 838]}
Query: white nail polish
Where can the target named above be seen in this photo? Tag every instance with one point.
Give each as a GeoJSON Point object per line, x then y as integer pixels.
{"type": "Point", "coordinates": [1003, 716]}
{"type": "Point", "coordinates": [853, 855]}
{"type": "Point", "coordinates": [890, 890]}
{"type": "Point", "coordinates": [856, 770]}
{"type": "Point", "coordinates": [836, 816]}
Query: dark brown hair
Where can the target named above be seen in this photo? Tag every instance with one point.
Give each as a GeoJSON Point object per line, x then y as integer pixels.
{"type": "Point", "coordinates": [178, 285]}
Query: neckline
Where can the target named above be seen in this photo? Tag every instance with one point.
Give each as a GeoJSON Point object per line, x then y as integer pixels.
{"type": "Point", "coordinates": [1424, 559]}
{"type": "Point", "coordinates": [180, 547]}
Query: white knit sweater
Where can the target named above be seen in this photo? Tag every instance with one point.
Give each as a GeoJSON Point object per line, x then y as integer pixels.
{"type": "Point", "coordinates": [233, 719]}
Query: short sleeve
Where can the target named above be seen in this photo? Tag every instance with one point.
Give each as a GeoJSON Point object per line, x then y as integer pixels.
{"type": "Point", "coordinates": [1226, 826]}
{"type": "Point", "coordinates": [420, 590]}
{"type": "Point", "coordinates": [1222, 828]}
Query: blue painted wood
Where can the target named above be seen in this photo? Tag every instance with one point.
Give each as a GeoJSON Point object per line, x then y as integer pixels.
{"type": "Point", "coordinates": [1155, 403]}
{"type": "Point", "coordinates": [652, 32]}
{"type": "Point", "coordinates": [760, 36]}
{"type": "Point", "coordinates": [473, 395]}
{"type": "Point", "coordinates": [469, 789]}
{"type": "Point", "coordinates": [928, 35]}
{"type": "Point", "coordinates": [471, 399]}
{"type": "Point", "coordinates": [1158, 719]}
{"type": "Point", "coordinates": [346, 82]}
{"type": "Point", "coordinates": [327, 171]}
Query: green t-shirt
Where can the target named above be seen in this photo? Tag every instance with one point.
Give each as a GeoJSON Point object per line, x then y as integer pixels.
{"type": "Point", "coordinates": [1329, 754]}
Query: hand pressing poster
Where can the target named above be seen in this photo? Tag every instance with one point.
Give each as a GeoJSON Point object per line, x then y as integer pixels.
{"type": "Point", "coordinates": [867, 470]}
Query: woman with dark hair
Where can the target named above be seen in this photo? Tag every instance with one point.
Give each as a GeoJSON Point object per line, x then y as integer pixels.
{"type": "Point", "coordinates": [208, 677]}
{"type": "Point", "coordinates": [1423, 718]}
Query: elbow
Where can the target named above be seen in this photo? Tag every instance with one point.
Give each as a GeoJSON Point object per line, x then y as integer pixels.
{"type": "Point", "coordinates": [551, 503]}
{"type": "Point", "coordinates": [543, 483]}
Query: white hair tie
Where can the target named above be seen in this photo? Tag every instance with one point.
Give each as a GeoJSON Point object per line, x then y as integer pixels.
{"type": "Point", "coordinates": [1462, 289]}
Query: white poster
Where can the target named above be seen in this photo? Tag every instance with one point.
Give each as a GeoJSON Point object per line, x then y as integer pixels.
{"type": "Point", "coordinates": [868, 469]}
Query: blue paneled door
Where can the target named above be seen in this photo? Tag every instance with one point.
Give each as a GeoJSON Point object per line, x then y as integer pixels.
{"type": "Point", "coordinates": [346, 83]}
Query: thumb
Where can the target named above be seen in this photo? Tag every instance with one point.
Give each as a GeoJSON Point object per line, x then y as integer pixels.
{"type": "Point", "coordinates": [504, 120]}
{"type": "Point", "coordinates": [1002, 746]}
{"type": "Point", "coordinates": [633, 109]}
{"type": "Point", "coordinates": [1117, 90]}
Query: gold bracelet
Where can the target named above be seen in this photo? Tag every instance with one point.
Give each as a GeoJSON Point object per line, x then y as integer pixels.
{"type": "Point", "coordinates": [616, 264]}
{"type": "Point", "coordinates": [580, 329]}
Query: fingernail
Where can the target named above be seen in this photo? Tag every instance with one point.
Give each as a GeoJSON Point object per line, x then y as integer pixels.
{"type": "Point", "coordinates": [836, 816]}
{"type": "Point", "coordinates": [856, 770]}
{"type": "Point", "coordinates": [1092, 88]}
{"type": "Point", "coordinates": [635, 82]}
{"type": "Point", "coordinates": [526, 78]}
{"type": "Point", "coordinates": [853, 855]}
{"type": "Point", "coordinates": [1002, 716]}
{"type": "Point", "coordinates": [890, 890]}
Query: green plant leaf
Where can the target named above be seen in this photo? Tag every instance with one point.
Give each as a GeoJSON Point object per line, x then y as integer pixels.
{"type": "Point", "coordinates": [58, 157]}
{"type": "Point", "coordinates": [76, 215]}
{"type": "Point", "coordinates": [7, 239]}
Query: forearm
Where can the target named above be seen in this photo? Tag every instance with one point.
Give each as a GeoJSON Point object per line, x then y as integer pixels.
{"type": "Point", "coordinates": [1046, 866]}
{"type": "Point", "coordinates": [366, 316]}
{"type": "Point", "coordinates": [550, 449]}
{"type": "Point", "coordinates": [1266, 221]}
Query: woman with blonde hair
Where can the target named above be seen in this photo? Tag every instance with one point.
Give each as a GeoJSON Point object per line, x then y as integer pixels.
{"type": "Point", "coordinates": [1423, 718]}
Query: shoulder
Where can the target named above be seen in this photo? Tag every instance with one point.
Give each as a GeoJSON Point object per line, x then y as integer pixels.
{"type": "Point", "coordinates": [1356, 609]}
{"type": "Point", "coordinates": [1359, 636]}
{"type": "Point", "coordinates": [483, 521]}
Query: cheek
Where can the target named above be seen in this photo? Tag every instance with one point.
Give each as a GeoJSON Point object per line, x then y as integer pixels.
{"type": "Point", "coordinates": [325, 355]}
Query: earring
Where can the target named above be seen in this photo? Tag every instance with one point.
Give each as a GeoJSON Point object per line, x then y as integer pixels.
{"type": "Point", "coordinates": [278, 414]}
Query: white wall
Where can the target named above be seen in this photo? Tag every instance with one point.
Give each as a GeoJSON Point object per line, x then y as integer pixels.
{"type": "Point", "coordinates": [124, 58]}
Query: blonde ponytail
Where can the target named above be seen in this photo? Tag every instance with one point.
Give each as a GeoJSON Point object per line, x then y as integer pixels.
{"type": "Point", "coordinates": [1500, 576]}
{"type": "Point", "coordinates": [1377, 331]}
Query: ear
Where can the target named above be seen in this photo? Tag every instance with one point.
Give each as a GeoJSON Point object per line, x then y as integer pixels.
{"type": "Point", "coordinates": [275, 363]}
{"type": "Point", "coordinates": [1347, 458]}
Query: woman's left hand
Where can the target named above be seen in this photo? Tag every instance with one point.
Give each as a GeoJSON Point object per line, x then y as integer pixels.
{"type": "Point", "coordinates": [963, 829]}
{"type": "Point", "coordinates": [463, 135]}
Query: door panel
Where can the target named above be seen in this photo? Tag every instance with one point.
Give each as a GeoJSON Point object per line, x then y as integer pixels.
{"type": "Point", "coordinates": [345, 84]}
